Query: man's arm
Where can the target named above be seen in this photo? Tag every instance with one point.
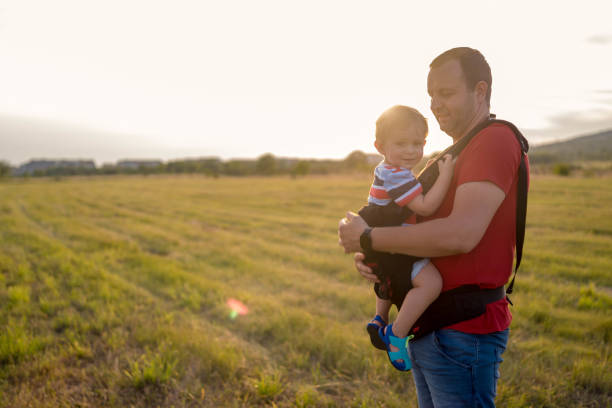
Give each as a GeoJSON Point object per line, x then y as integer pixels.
{"type": "Point", "coordinates": [474, 206]}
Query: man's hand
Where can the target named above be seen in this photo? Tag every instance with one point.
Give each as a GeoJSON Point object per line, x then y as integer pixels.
{"type": "Point", "coordinates": [349, 232]}
{"type": "Point", "coordinates": [363, 269]}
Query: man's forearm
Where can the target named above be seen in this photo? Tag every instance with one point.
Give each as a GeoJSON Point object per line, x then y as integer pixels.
{"type": "Point", "coordinates": [428, 239]}
{"type": "Point", "coordinates": [474, 206]}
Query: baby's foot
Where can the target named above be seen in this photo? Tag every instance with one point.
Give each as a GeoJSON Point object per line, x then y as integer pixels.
{"type": "Point", "coordinates": [372, 328]}
{"type": "Point", "coordinates": [378, 322]}
{"type": "Point", "coordinates": [392, 347]}
{"type": "Point", "coordinates": [396, 348]}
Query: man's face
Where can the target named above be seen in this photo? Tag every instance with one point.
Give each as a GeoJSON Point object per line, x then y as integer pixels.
{"type": "Point", "coordinates": [452, 103]}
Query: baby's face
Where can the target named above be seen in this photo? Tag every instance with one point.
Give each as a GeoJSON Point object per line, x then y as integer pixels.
{"type": "Point", "coordinates": [403, 147]}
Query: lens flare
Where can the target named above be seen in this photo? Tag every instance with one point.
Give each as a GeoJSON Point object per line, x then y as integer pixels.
{"type": "Point", "coordinates": [236, 308]}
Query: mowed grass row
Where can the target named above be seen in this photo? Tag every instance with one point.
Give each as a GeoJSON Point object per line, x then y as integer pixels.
{"type": "Point", "coordinates": [113, 293]}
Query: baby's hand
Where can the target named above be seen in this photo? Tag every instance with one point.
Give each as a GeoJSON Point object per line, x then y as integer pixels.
{"type": "Point", "coordinates": [446, 164]}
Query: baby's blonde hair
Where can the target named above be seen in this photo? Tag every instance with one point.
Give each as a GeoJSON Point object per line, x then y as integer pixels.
{"type": "Point", "coordinates": [400, 116]}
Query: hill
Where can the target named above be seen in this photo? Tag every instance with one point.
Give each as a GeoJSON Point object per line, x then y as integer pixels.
{"type": "Point", "coordinates": [597, 146]}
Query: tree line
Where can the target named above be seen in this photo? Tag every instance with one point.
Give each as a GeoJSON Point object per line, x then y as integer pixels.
{"type": "Point", "coordinates": [265, 165]}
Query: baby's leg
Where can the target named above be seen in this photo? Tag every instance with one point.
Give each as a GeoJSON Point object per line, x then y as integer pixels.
{"type": "Point", "coordinates": [382, 308]}
{"type": "Point", "coordinates": [379, 321]}
{"type": "Point", "coordinates": [426, 287]}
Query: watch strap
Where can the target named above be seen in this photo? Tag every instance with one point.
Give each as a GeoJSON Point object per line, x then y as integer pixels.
{"type": "Point", "coordinates": [365, 240]}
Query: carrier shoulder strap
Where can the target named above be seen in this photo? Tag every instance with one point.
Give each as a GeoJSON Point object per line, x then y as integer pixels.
{"type": "Point", "coordinates": [428, 176]}
{"type": "Point", "coordinates": [521, 200]}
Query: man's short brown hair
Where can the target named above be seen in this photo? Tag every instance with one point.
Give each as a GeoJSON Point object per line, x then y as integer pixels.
{"type": "Point", "coordinates": [473, 64]}
{"type": "Point", "coordinates": [400, 117]}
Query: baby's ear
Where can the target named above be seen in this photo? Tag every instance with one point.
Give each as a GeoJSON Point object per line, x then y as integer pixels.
{"type": "Point", "coordinates": [377, 146]}
{"type": "Point", "coordinates": [424, 142]}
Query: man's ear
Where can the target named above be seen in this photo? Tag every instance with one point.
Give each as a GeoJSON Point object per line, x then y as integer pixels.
{"type": "Point", "coordinates": [481, 90]}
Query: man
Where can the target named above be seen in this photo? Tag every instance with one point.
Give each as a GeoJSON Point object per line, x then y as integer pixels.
{"type": "Point", "coordinates": [470, 238]}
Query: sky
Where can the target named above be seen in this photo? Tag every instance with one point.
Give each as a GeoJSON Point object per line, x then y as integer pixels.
{"type": "Point", "coordinates": [116, 79]}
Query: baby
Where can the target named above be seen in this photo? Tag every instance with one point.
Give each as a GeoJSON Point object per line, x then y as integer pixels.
{"type": "Point", "coordinates": [410, 283]}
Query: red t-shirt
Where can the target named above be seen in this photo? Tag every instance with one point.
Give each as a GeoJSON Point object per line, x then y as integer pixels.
{"type": "Point", "coordinates": [492, 155]}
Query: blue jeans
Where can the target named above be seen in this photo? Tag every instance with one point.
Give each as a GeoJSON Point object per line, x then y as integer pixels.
{"type": "Point", "coordinates": [455, 369]}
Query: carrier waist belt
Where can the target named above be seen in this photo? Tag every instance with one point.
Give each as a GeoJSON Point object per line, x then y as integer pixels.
{"type": "Point", "coordinates": [456, 305]}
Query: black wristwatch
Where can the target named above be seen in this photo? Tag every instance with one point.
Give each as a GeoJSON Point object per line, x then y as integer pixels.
{"type": "Point", "coordinates": [365, 240]}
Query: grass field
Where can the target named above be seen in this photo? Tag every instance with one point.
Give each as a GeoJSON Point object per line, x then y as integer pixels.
{"type": "Point", "coordinates": [113, 293]}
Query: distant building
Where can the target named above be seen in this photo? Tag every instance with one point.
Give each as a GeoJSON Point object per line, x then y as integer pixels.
{"type": "Point", "coordinates": [44, 165]}
{"type": "Point", "coordinates": [285, 164]}
{"type": "Point", "coordinates": [138, 164]}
